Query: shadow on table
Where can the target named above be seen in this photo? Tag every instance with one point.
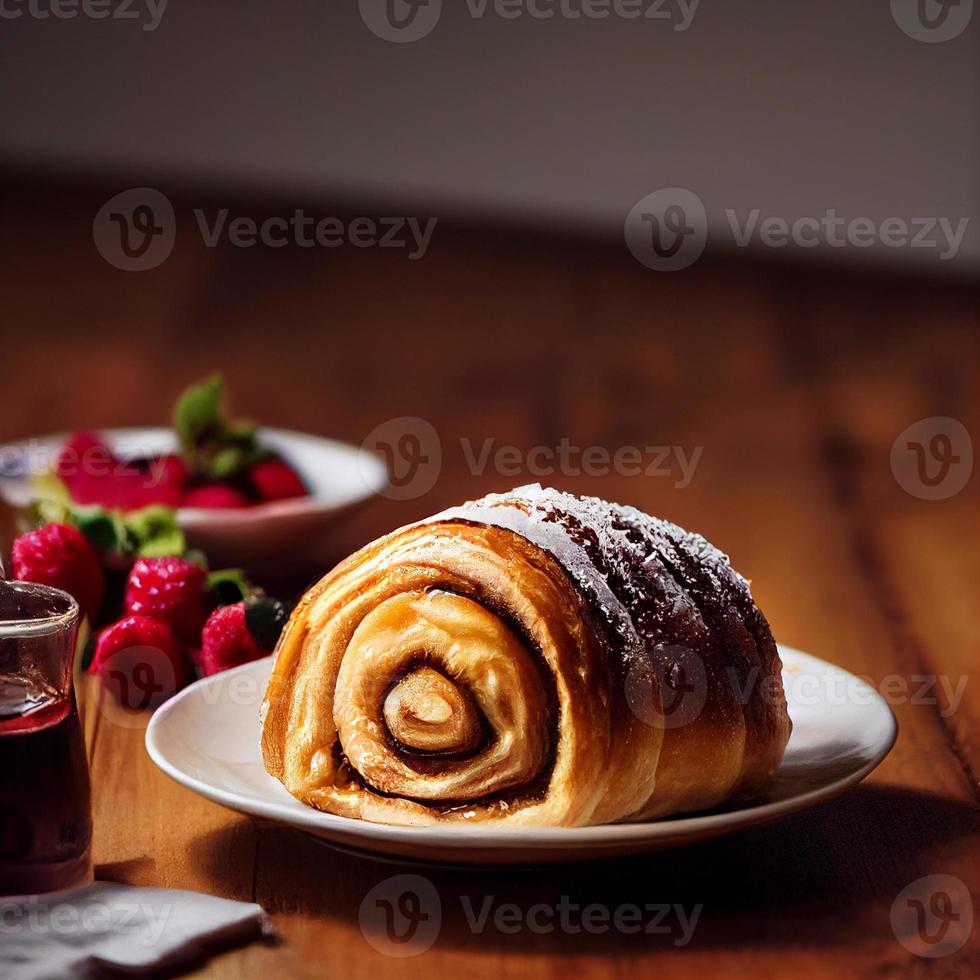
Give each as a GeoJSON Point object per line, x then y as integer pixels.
{"type": "Point", "coordinates": [824, 876]}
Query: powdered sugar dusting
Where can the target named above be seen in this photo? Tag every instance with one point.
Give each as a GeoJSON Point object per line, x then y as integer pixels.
{"type": "Point", "coordinates": [612, 553]}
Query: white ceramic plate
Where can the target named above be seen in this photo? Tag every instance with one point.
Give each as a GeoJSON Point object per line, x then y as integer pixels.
{"type": "Point", "coordinates": [338, 476]}
{"type": "Point", "coordinates": [207, 739]}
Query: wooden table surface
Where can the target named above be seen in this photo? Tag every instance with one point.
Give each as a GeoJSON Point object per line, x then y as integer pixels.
{"type": "Point", "coordinates": [792, 384]}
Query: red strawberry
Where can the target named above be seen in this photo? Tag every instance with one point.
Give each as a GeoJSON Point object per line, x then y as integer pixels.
{"type": "Point", "coordinates": [83, 456]}
{"type": "Point", "coordinates": [140, 661]}
{"type": "Point", "coordinates": [162, 482]}
{"type": "Point", "coordinates": [125, 489]}
{"type": "Point", "coordinates": [94, 475]}
{"type": "Point", "coordinates": [172, 470]}
{"type": "Point", "coordinates": [87, 490]}
{"type": "Point", "coordinates": [134, 485]}
{"type": "Point", "coordinates": [61, 556]}
{"type": "Point", "coordinates": [171, 590]}
{"type": "Point", "coordinates": [226, 641]}
{"type": "Point", "coordinates": [274, 479]}
{"type": "Point", "coordinates": [215, 496]}
{"type": "Point", "coordinates": [84, 465]}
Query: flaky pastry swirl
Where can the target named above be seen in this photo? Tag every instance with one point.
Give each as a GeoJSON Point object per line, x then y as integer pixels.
{"type": "Point", "coordinates": [530, 658]}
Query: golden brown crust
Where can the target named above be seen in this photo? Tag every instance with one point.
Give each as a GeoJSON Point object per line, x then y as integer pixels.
{"type": "Point", "coordinates": [532, 659]}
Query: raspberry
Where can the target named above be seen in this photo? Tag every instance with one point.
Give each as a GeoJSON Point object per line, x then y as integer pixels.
{"type": "Point", "coordinates": [86, 466]}
{"type": "Point", "coordinates": [275, 480]}
{"type": "Point", "coordinates": [59, 555]}
{"type": "Point", "coordinates": [162, 482]}
{"type": "Point", "coordinates": [126, 489]}
{"type": "Point", "coordinates": [171, 590]}
{"type": "Point", "coordinates": [139, 661]}
{"type": "Point", "coordinates": [226, 641]}
{"type": "Point", "coordinates": [94, 475]}
{"type": "Point", "coordinates": [83, 456]}
{"type": "Point", "coordinates": [215, 496]}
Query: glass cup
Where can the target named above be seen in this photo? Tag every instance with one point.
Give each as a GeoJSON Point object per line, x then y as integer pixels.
{"type": "Point", "coordinates": [45, 801]}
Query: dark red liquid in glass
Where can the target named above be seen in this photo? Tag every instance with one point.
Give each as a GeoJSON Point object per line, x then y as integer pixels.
{"type": "Point", "coordinates": [45, 807]}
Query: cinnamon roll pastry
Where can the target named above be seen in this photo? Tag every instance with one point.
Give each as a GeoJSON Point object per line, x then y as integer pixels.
{"type": "Point", "coordinates": [532, 658]}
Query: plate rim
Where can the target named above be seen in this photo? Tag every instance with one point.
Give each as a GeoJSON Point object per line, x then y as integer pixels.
{"type": "Point", "coordinates": [486, 837]}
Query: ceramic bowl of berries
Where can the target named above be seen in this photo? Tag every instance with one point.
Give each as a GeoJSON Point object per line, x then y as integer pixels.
{"type": "Point", "coordinates": [246, 495]}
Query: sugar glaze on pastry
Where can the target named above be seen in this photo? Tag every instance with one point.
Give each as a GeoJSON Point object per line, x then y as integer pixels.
{"type": "Point", "coordinates": [531, 658]}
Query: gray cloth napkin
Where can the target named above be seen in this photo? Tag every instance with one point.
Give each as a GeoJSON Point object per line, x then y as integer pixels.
{"type": "Point", "coordinates": [118, 928]}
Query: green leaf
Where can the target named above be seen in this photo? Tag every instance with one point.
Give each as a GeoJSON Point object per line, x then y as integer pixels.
{"type": "Point", "coordinates": [105, 529]}
{"type": "Point", "coordinates": [197, 413]}
{"type": "Point", "coordinates": [44, 511]}
{"type": "Point", "coordinates": [154, 532]}
{"type": "Point", "coordinates": [162, 547]}
{"type": "Point", "coordinates": [196, 557]}
{"type": "Point", "coordinates": [242, 434]}
{"type": "Point", "coordinates": [51, 503]}
{"type": "Point", "coordinates": [226, 463]}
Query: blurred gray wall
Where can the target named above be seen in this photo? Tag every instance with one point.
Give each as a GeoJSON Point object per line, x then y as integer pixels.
{"type": "Point", "coordinates": [788, 106]}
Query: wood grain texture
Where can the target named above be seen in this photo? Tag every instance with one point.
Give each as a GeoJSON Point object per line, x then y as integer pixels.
{"type": "Point", "coordinates": [789, 385]}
